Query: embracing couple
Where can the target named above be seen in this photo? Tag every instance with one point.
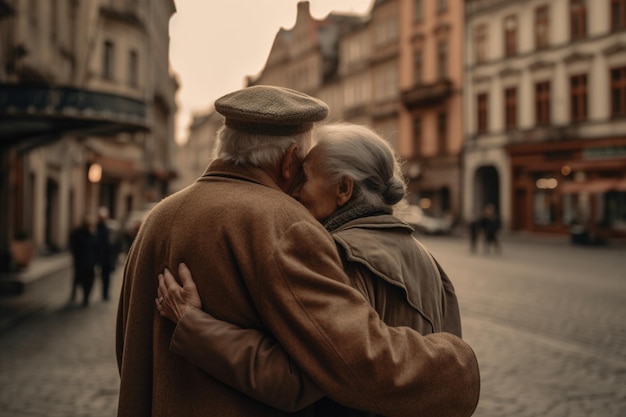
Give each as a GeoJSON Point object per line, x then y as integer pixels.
{"type": "Point", "coordinates": [284, 285]}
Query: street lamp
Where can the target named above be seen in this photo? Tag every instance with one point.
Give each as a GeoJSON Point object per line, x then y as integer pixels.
{"type": "Point", "coordinates": [95, 173]}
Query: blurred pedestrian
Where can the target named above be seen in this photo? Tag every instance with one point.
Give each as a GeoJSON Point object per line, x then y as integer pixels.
{"type": "Point", "coordinates": [491, 227]}
{"type": "Point", "coordinates": [474, 233]}
{"type": "Point", "coordinates": [84, 247]}
{"type": "Point", "coordinates": [107, 250]}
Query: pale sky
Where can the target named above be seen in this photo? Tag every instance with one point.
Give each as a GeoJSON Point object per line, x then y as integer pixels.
{"type": "Point", "coordinates": [215, 44]}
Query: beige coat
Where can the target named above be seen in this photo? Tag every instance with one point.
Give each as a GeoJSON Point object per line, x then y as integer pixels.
{"type": "Point", "coordinates": [261, 261]}
{"type": "Point", "coordinates": [394, 271]}
{"type": "Point", "coordinates": [398, 275]}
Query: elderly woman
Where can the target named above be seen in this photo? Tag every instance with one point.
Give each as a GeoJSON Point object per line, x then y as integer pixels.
{"type": "Point", "coordinates": [351, 180]}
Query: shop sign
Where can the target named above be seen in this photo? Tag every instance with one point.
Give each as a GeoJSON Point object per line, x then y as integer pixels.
{"type": "Point", "coordinates": [608, 152]}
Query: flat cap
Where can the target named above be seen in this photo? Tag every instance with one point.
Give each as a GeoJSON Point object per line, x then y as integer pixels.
{"type": "Point", "coordinates": [270, 110]}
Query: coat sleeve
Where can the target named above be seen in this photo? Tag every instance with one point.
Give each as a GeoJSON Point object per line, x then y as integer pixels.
{"type": "Point", "coordinates": [334, 335]}
{"type": "Point", "coordinates": [245, 359]}
{"type": "Point", "coordinates": [450, 303]}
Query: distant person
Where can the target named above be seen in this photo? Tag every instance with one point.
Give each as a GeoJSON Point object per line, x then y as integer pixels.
{"type": "Point", "coordinates": [490, 224]}
{"type": "Point", "coordinates": [108, 250]}
{"type": "Point", "coordinates": [261, 260]}
{"type": "Point", "coordinates": [350, 184]}
{"type": "Point", "coordinates": [84, 248]}
{"type": "Point", "coordinates": [474, 233]}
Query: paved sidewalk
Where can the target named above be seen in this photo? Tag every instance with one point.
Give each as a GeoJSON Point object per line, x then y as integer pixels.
{"type": "Point", "coordinates": [18, 296]}
{"type": "Point", "coordinates": [39, 267]}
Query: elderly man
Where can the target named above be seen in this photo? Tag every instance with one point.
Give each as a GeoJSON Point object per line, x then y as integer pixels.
{"type": "Point", "coordinates": [260, 260]}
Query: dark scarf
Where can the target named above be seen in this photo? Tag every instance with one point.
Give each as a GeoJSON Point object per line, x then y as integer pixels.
{"type": "Point", "coordinates": [352, 210]}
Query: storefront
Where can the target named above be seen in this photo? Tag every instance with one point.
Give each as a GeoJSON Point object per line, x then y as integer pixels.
{"type": "Point", "coordinates": [561, 186]}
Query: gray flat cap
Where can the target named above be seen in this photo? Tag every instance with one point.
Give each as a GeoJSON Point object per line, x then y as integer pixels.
{"type": "Point", "coordinates": [270, 110]}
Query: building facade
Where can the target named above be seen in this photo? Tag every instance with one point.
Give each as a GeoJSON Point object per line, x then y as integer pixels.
{"type": "Point", "coordinates": [431, 78]}
{"type": "Point", "coordinates": [545, 134]}
{"type": "Point", "coordinates": [397, 69]}
{"type": "Point", "coordinates": [86, 113]}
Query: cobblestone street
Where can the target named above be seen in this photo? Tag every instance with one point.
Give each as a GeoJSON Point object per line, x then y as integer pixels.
{"type": "Point", "coordinates": [545, 319]}
{"type": "Point", "coordinates": [546, 322]}
{"type": "Point", "coordinates": [60, 361]}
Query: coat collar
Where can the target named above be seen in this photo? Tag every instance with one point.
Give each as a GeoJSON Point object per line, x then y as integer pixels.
{"type": "Point", "coordinates": [382, 221]}
{"type": "Point", "coordinates": [225, 169]}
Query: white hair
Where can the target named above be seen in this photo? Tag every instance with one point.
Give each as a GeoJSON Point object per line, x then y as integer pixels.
{"type": "Point", "coordinates": [258, 150]}
{"type": "Point", "coordinates": [358, 152]}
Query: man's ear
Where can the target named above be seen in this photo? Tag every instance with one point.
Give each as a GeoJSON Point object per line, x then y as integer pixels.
{"type": "Point", "coordinates": [290, 161]}
{"type": "Point", "coordinates": [344, 190]}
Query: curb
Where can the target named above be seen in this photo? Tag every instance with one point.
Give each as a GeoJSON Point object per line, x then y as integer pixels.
{"type": "Point", "coordinates": [15, 283]}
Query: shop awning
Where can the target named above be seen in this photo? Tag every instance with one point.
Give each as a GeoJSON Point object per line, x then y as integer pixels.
{"type": "Point", "coordinates": [597, 186]}
{"type": "Point", "coordinates": [32, 115]}
{"type": "Point", "coordinates": [621, 185]}
{"type": "Point", "coordinates": [118, 168]}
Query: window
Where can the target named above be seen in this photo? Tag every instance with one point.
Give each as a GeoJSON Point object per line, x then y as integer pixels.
{"type": "Point", "coordinates": [54, 27]}
{"type": "Point", "coordinates": [544, 207]}
{"type": "Point", "coordinates": [108, 56]}
{"type": "Point", "coordinates": [442, 131]}
{"type": "Point", "coordinates": [417, 135]}
{"type": "Point", "coordinates": [442, 6]}
{"type": "Point", "coordinates": [542, 103]}
{"type": "Point", "coordinates": [133, 68]}
{"type": "Point", "coordinates": [480, 43]}
{"type": "Point", "coordinates": [510, 108]}
{"type": "Point", "coordinates": [578, 19]}
{"type": "Point", "coordinates": [578, 93]}
{"type": "Point", "coordinates": [418, 14]}
{"type": "Point", "coordinates": [442, 59]}
{"type": "Point", "coordinates": [510, 35]}
{"type": "Point", "coordinates": [482, 111]}
{"type": "Point", "coordinates": [618, 14]}
{"type": "Point", "coordinates": [418, 65]}
{"type": "Point", "coordinates": [542, 23]}
{"type": "Point", "coordinates": [618, 92]}
{"type": "Point", "coordinates": [386, 30]}
{"type": "Point", "coordinates": [385, 82]}
{"type": "Point", "coordinates": [33, 13]}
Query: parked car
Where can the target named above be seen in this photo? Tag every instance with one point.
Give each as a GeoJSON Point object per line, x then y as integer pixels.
{"type": "Point", "coordinates": [421, 222]}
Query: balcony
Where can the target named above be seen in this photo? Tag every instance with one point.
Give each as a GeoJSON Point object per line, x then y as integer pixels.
{"type": "Point", "coordinates": [32, 114]}
{"type": "Point", "coordinates": [422, 95]}
{"type": "Point", "coordinates": [479, 6]}
{"type": "Point", "coordinates": [129, 15]}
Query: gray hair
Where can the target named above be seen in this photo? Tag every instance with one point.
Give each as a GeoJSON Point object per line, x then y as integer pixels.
{"type": "Point", "coordinates": [358, 152]}
{"type": "Point", "coordinates": [258, 150]}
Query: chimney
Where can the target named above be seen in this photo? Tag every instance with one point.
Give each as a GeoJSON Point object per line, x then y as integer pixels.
{"type": "Point", "coordinates": [303, 9]}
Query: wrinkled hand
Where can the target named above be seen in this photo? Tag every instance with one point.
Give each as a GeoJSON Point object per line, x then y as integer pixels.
{"type": "Point", "coordinates": [173, 301]}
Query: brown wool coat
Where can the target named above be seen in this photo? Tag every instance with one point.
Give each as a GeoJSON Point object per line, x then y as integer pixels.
{"type": "Point", "coordinates": [260, 260]}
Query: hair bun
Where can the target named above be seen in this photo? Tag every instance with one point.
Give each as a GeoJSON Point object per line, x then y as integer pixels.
{"type": "Point", "coordinates": [394, 190]}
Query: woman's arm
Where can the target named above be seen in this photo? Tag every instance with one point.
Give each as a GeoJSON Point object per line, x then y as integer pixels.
{"type": "Point", "coordinates": [245, 359]}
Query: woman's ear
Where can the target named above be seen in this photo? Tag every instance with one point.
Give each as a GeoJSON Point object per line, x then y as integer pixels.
{"type": "Point", "coordinates": [344, 192]}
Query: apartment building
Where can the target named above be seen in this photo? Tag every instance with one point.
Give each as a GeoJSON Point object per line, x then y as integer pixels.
{"type": "Point", "coordinates": [545, 107]}
{"type": "Point", "coordinates": [430, 80]}
{"type": "Point", "coordinates": [306, 57]}
{"type": "Point", "coordinates": [397, 69]}
{"type": "Point", "coordinates": [86, 113]}
{"type": "Point", "coordinates": [351, 85]}
{"type": "Point", "coordinates": [384, 105]}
